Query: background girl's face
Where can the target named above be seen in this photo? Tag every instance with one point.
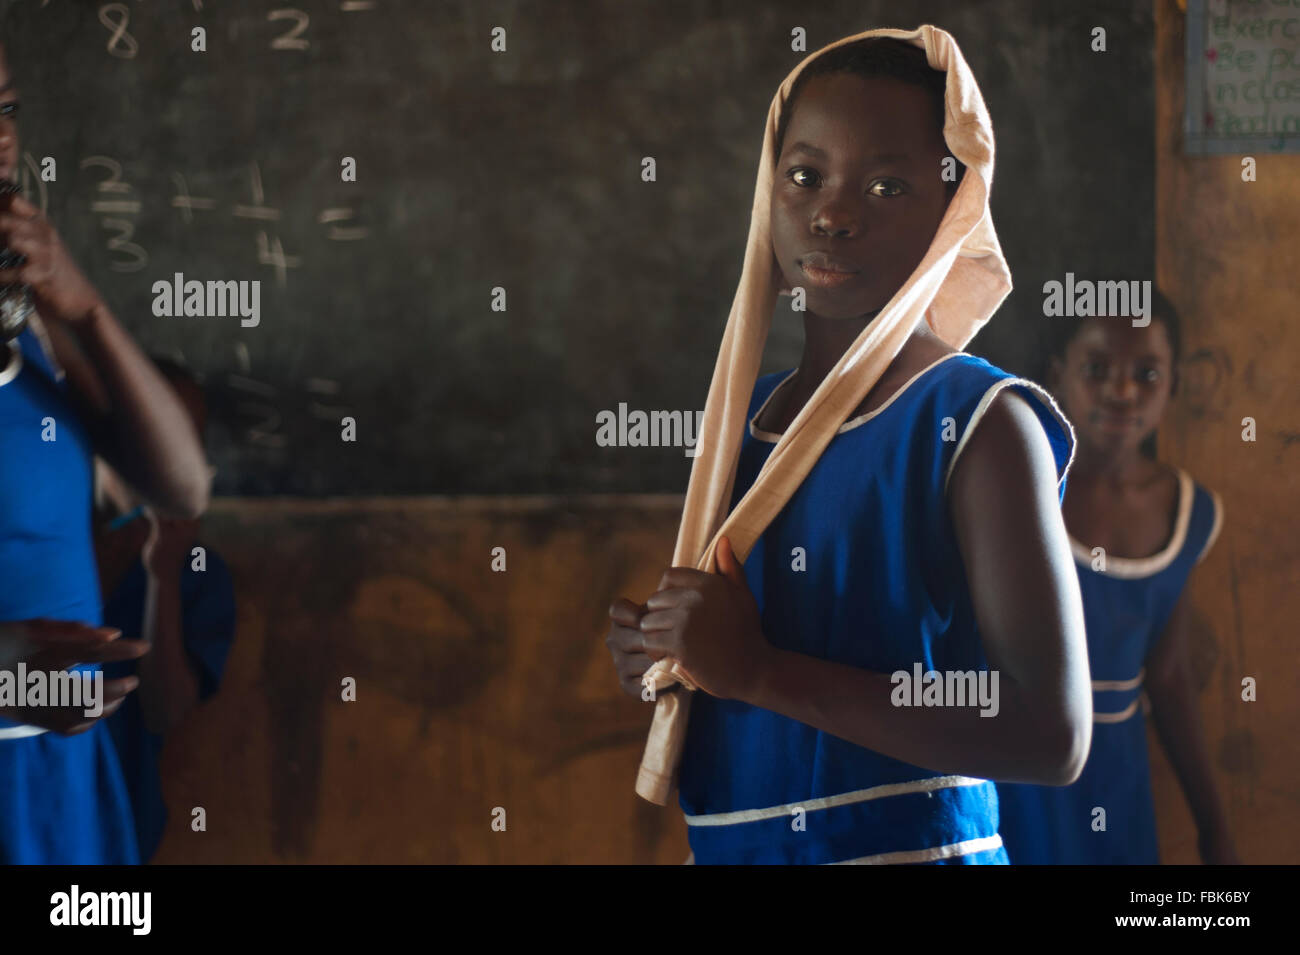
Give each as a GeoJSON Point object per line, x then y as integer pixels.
{"type": "Point", "coordinates": [9, 151]}
{"type": "Point", "coordinates": [1114, 382]}
{"type": "Point", "coordinates": [859, 180]}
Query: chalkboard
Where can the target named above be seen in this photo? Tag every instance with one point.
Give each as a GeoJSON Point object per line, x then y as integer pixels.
{"type": "Point", "coordinates": [499, 275]}
{"type": "Point", "coordinates": [1243, 76]}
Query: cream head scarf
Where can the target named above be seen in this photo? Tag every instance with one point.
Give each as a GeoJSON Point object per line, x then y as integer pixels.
{"type": "Point", "coordinates": [958, 285]}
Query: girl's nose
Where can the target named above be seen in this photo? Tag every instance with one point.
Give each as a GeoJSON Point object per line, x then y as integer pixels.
{"type": "Point", "coordinates": [835, 219]}
{"type": "Point", "coordinates": [1122, 387]}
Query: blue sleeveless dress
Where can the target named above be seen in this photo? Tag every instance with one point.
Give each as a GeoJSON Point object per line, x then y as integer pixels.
{"type": "Point", "coordinates": [207, 629]}
{"type": "Point", "coordinates": [62, 799]}
{"type": "Point", "coordinates": [1125, 608]}
{"type": "Point", "coordinates": [861, 567]}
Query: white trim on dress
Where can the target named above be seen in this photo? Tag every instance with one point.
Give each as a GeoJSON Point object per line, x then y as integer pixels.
{"type": "Point", "coordinates": [831, 802]}
{"type": "Point", "coordinates": [1132, 684]}
{"type": "Point", "coordinates": [1214, 529]}
{"type": "Point", "coordinates": [1039, 392]}
{"type": "Point", "coordinates": [771, 437]}
{"type": "Point", "coordinates": [15, 364]}
{"type": "Point", "coordinates": [1120, 717]}
{"type": "Point", "coordinates": [928, 855]}
{"type": "Point", "coordinates": [21, 732]}
{"type": "Point", "coordinates": [1132, 568]}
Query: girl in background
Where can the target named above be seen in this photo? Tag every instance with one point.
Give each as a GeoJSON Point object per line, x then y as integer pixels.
{"type": "Point", "coordinates": [1137, 528]}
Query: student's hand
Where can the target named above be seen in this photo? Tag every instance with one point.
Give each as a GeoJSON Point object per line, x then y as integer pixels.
{"type": "Point", "coordinates": [710, 624]}
{"type": "Point", "coordinates": [1217, 849]}
{"type": "Point", "coordinates": [59, 289]}
{"type": "Point", "coordinates": [54, 645]}
{"type": "Point", "coordinates": [169, 544]}
{"type": "Point", "coordinates": [71, 720]}
{"type": "Point", "coordinates": [627, 646]}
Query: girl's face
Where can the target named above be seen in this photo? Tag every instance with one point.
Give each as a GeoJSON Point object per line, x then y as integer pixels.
{"type": "Point", "coordinates": [9, 151]}
{"type": "Point", "coordinates": [858, 191]}
{"type": "Point", "coordinates": [1114, 382]}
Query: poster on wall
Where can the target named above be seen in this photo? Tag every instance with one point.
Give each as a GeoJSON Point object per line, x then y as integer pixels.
{"type": "Point", "coordinates": [1243, 77]}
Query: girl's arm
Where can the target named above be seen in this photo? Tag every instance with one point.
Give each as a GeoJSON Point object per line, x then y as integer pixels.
{"type": "Point", "coordinates": [132, 414]}
{"type": "Point", "coordinates": [1177, 721]}
{"type": "Point", "coordinates": [135, 420]}
{"type": "Point", "coordinates": [168, 686]}
{"type": "Point", "coordinates": [1006, 510]}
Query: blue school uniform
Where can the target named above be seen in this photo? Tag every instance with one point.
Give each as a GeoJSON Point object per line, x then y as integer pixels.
{"type": "Point", "coordinates": [62, 798]}
{"type": "Point", "coordinates": [1126, 607]}
{"type": "Point", "coordinates": [207, 628]}
{"type": "Point", "coordinates": [860, 567]}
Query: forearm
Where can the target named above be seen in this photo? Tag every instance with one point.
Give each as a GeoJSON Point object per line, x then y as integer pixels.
{"type": "Point", "coordinates": [1178, 724]}
{"type": "Point", "coordinates": [1017, 744]}
{"type": "Point", "coordinates": [168, 688]}
{"type": "Point", "coordinates": [145, 431]}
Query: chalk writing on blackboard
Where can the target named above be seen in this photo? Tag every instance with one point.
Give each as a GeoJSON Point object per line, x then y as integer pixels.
{"type": "Point", "coordinates": [116, 204]}
{"type": "Point", "coordinates": [119, 207]}
{"type": "Point", "coordinates": [293, 39]}
{"type": "Point", "coordinates": [262, 405]}
{"type": "Point", "coordinates": [187, 203]}
{"type": "Point", "coordinates": [117, 17]}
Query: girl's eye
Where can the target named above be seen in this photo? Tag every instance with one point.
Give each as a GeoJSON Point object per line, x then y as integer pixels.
{"type": "Point", "coordinates": [1096, 370]}
{"type": "Point", "coordinates": [1149, 375]}
{"type": "Point", "coordinates": [887, 188]}
{"type": "Point", "coordinates": [793, 175]}
{"type": "Point", "coordinates": [9, 109]}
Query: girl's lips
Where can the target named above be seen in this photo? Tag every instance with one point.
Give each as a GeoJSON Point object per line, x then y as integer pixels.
{"type": "Point", "coordinates": [826, 278]}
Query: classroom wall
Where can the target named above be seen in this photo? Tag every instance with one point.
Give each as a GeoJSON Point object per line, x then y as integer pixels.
{"type": "Point", "coordinates": [475, 689]}
{"type": "Point", "coordinates": [478, 689]}
{"type": "Point", "coordinates": [1227, 254]}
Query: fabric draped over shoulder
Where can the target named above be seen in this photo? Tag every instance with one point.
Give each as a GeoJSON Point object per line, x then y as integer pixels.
{"type": "Point", "coordinates": [958, 285]}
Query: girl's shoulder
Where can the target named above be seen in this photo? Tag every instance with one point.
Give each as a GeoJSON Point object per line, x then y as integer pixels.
{"type": "Point", "coordinates": [1199, 516]}
{"type": "Point", "coordinates": [971, 384]}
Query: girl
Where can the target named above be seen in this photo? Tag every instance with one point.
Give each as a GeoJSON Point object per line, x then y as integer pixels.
{"type": "Point", "coordinates": [72, 383]}
{"type": "Point", "coordinates": [1137, 527]}
{"type": "Point", "coordinates": [926, 534]}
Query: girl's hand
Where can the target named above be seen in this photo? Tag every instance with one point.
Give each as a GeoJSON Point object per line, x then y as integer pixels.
{"type": "Point", "coordinates": [71, 720]}
{"type": "Point", "coordinates": [627, 646]}
{"type": "Point", "coordinates": [54, 645]}
{"type": "Point", "coordinates": [710, 624]}
{"type": "Point", "coordinates": [59, 289]}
